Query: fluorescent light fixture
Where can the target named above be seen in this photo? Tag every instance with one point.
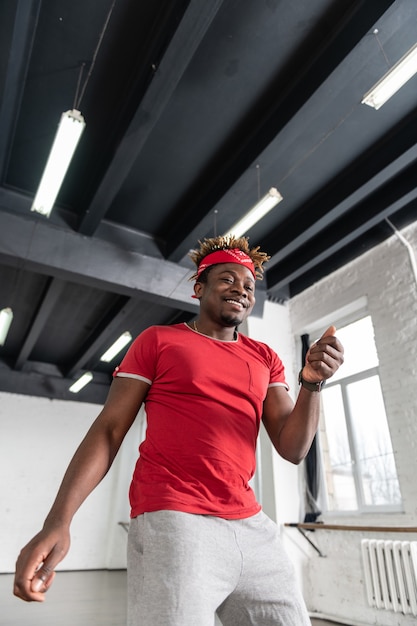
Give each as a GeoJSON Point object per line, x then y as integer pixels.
{"type": "Point", "coordinates": [261, 208]}
{"type": "Point", "coordinates": [6, 318]}
{"type": "Point", "coordinates": [66, 139]}
{"type": "Point", "coordinates": [81, 382]}
{"type": "Point", "coordinates": [118, 345]}
{"type": "Point", "coordinates": [393, 80]}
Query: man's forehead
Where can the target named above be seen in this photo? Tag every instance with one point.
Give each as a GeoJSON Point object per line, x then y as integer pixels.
{"type": "Point", "coordinates": [233, 268]}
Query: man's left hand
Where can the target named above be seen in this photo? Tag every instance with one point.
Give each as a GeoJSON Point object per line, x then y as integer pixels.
{"type": "Point", "coordinates": [324, 357]}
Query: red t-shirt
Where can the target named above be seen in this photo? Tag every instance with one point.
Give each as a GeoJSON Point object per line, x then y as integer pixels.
{"type": "Point", "coordinates": [203, 408]}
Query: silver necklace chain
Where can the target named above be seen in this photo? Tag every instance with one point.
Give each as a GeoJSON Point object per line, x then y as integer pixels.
{"type": "Point", "coordinates": [200, 333]}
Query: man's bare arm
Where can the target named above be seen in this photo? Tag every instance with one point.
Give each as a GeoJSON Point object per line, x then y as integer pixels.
{"type": "Point", "coordinates": [91, 462]}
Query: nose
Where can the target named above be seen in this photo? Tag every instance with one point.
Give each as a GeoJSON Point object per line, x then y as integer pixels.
{"type": "Point", "coordinates": [239, 288]}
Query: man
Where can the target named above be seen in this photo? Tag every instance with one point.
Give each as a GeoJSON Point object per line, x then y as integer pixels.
{"type": "Point", "coordinates": [198, 540]}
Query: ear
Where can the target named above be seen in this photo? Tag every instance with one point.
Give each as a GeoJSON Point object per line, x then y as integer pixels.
{"type": "Point", "coordinates": [198, 289]}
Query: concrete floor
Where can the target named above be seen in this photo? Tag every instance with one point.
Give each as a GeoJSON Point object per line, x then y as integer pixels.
{"type": "Point", "coordinates": [75, 599]}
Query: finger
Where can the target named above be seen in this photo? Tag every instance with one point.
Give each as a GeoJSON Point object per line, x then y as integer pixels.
{"type": "Point", "coordinates": [35, 572]}
{"type": "Point", "coordinates": [23, 588]}
{"type": "Point", "coordinates": [330, 332]}
{"type": "Point", "coordinates": [34, 589]}
{"type": "Point", "coordinates": [26, 567]}
{"type": "Point", "coordinates": [28, 596]}
{"type": "Point", "coordinates": [329, 343]}
{"type": "Point", "coordinates": [322, 363]}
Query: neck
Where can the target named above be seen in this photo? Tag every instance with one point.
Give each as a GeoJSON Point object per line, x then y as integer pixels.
{"type": "Point", "coordinates": [228, 333]}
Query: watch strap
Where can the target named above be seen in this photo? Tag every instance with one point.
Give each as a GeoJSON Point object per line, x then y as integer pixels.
{"type": "Point", "coordinates": [310, 386]}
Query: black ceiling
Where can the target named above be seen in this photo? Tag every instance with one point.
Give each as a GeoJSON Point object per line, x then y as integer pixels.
{"type": "Point", "coordinates": [193, 110]}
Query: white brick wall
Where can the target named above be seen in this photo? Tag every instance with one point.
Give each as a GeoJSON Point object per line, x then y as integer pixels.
{"type": "Point", "coordinates": [384, 276]}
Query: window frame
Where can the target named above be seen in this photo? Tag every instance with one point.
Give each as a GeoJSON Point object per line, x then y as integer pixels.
{"type": "Point", "coordinates": [362, 508]}
{"type": "Point", "coordinates": [344, 316]}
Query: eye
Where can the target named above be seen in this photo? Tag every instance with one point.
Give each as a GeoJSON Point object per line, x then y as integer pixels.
{"type": "Point", "coordinates": [228, 279]}
{"type": "Point", "coordinates": [250, 288]}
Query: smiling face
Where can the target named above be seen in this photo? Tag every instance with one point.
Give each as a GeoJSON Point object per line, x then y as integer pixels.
{"type": "Point", "coordinates": [228, 296]}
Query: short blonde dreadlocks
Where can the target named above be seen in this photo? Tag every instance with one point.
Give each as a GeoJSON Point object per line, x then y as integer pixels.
{"type": "Point", "coordinates": [229, 242]}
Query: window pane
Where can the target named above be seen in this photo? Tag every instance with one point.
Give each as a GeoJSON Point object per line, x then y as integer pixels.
{"type": "Point", "coordinates": [360, 349]}
{"type": "Point", "coordinates": [376, 465]}
{"type": "Point", "coordinates": [335, 446]}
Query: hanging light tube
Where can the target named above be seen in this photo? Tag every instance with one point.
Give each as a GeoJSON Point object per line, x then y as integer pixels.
{"type": "Point", "coordinates": [81, 382]}
{"type": "Point", "coordinates": [6, 318]}
{"type": "Point", "coordinates": [116, 347]}
{"type": "Point", "coordinates": [261, 208]}
{"type": "Point", "coordinates": [66, 140]}
{"type": "Point", "coordinates": [393, 80]}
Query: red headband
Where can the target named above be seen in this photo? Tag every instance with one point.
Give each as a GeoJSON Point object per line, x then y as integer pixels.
{"type": "Point", "coordinates": [226, 256]}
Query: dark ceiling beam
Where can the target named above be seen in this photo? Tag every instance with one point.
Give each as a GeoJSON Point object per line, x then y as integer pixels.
{"type": "Point", "coordinates": [111, 327]}
{"type": "Point", "coordinates": [47, 380]}
{"type": "Point", "coordinates": [385, 159]}
{"type": "Point", "coordinates": [19, 203]}
{"type": "Point", "coordinates": [26, 17]}
{"type": "Point", "coordinates": [390, 198]}
{"type": "Point", "coordinates": [129, 238]}
{"type": "Point", "coordinates": [45, 383]}
{"type": "Point", "coordinates": [351, 187]}
{"type": "Point", "coordinates": [35, 245]}
{"type": "Point", "coordinates": [264, 127]}
{"type": "Point", "coordinates": [194, 25]}
{"type": "Point", "coordinates": [49, 300]}
{"type": "Point", "coordinates": [103, 335]}
{"type": "Point", "coordinates": [371, 238]}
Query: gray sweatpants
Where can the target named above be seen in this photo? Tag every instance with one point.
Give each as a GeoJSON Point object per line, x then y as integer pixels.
{"type": "Point", "coordinates": [182, 568]}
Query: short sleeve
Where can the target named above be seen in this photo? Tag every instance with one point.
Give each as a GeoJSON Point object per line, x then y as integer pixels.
{"type": "Point", "coordinates": [140, 360]}
{"type": "Point", "coordinates": [277, 376]}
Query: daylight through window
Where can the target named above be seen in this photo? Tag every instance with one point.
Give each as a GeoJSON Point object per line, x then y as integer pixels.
{"type": "Point", "coordinates": [355, 440]}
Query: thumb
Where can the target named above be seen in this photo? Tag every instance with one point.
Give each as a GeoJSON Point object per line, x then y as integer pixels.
{"type": "Point", "coordinates": [331, 331]}
{"type": "Point", "coordinates": [45, 573]}
{"type": "Point", "coordinates": [42, 579]}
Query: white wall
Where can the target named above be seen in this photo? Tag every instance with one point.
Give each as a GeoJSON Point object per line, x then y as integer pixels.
{"type": "Point", "coordinates": [280, 495]}
{"type": "Point", "coordinates": [37, 440]}
{"type": "Point", "coordinates": [280, 490]}
{"type": "Point", "coordinates": [384, 277]}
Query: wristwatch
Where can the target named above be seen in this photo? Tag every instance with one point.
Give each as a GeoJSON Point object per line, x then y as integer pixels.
{"type": "Point", "coordinates": [309, 386]}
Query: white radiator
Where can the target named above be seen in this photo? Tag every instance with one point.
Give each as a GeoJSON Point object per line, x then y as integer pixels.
{"type": "Point", "coordinates": [390, 569]}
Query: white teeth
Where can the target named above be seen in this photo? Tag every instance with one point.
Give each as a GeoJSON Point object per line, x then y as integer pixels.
{"type": "Point", "coordinates": [235, 302]}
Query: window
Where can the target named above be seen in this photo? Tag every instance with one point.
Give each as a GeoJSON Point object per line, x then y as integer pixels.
{"type": "Point", "coordinates": [355, 440]}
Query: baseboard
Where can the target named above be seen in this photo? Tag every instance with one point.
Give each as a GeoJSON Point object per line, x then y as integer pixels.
{"type": "Point", "coordinates": [336, 619]}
